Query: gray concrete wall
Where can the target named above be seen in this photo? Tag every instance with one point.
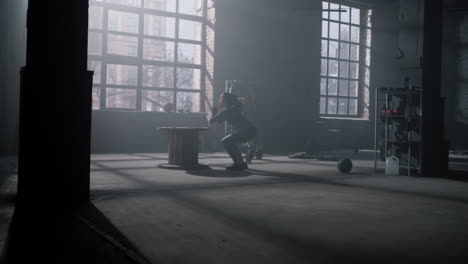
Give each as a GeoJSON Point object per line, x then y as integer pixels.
{"type": "Point", "coordinates": [454, 84]}
{"type": "Point", "coordinates": [262, 43]}
{"type": "Point", "coordinates": [273, 47]}
{"type": "Point", "coordinates": [384, 71]}
{"type": "Point", "coordinates": [12, 58]}
{"type": "Point", "coordinates": [137, 132]}
{"type": "Point", "coordinates": [455, 74]}
{"type": "Point", "coordinates": [410, 40]}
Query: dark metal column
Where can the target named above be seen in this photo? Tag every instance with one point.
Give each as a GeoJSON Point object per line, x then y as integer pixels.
{"type": "Point", "coordinates": [55, 127]}
{"type": "Point", "coordinates": [434, 150]}
{"type": "Point", "coordinates": [55, 108]}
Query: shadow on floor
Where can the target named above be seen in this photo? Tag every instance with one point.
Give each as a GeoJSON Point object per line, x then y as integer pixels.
{"type": "Point", "coordinates": [274, 177]}
{"type": "Point", "coordinates": [219, 173]}
{"type": "Point", "coordinates": [458, 175]}
{"type": "Point", "coordinates": [84, 235]}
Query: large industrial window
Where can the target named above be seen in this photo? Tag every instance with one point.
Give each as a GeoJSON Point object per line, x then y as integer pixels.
{"type": "Point", "coordinates": [147, 54]}
{"type": "Point", "coordinates": [345, 61]}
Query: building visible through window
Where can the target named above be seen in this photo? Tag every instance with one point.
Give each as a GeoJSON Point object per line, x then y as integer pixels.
{"type": "Point", "coordinates": [148, 53]}
{"type": "Point", "coordinates": [345, 61]}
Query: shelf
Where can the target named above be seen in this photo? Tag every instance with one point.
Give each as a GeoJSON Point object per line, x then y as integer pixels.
{"type": "Point", "coordinates": [408, 119]}
{"type": "Point", "coordinates": [400, 93]}
{"type": "Point", "coordinates": [412, 117]}
{"type": "Point", "coordinates": [394, 116]}
{"type": "Point", "coordinates": [402, 142]}
{"type": "Point", "coordinates": [398, 90]}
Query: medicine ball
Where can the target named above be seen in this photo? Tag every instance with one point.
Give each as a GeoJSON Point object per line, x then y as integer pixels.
{"type": "Point", "coordinates": [168, 107]}
{"type": "Point", "coordinates": [345, 165]}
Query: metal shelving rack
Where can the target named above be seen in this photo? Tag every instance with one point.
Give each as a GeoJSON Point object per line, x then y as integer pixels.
{"type": "Point", "coordinates": [411, 117]}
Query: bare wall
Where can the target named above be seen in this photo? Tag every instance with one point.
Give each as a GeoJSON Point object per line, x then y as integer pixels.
{"type": "Point", "coordinates": [273, 47]}
{"type": "Point", "coordinates": [12, 58]}
{"type": "Point", "coordinates": [455, 74]}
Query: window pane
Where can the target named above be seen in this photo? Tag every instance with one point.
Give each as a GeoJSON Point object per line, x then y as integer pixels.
{"type": "Point", "coordinates": [95, 17]}
{"type": "Point", "coordinates": [353, 70]}
{"type": "Point", "coordinates": [354, 34]}
{"type": "Point", "coordinates": [94, 43]}
{"type": "Point", "coordinates": [353, 106]}
{"type": "Point", "coordinates": [333, 48]}
{"type": "Point", "coordinates": [209, 64]}
{"type": "Point", "coordinates": [324, 29]}
{"type": "Point", "coordinates": [334, 30]}
{"type": "Point", "coordinates": [331, 106]}
{"type": "Point", "coordinates": [188, 78]}
{"type": "Point", "coordinates": [368, 37]}
{"type": "Point", "coordinates": [123, 21]}
{"type": "Point", "coordinates": [96, 98]}
{"type": "Point", "coordinates": [354, 52]}
{"type": "Point", "coordinates": [95, 66]}
{"type": "Point", "coordinates": [367, 58]}
{"type": "Point", "coordinates": [339, 85]}
{"type": "Point", "coordinates": [353, 88]}
{"type": "Point", "coordinates": [334, 11]}
{"type": "Point", "coordinates": [369, 18]}
{"type": "Point", "coordinates": [323, 104]}
{"type": "Point", "coordinates": [332, 86]}
{"type": "Point", "coordinates": [190, 30]}
{"type": "Point", "coordinates": [343, 87]}
{"type": "Point", "coordinates": [120, 98]}
{"type": "Point", "coordinates": [367, 77]}
{"type": "Point", "coordinates": [188, 102]}
{"type": "Point", "coordinates": [156, 101]}
{"type": "Point", "coordinates": [122, 45]}
{"type": "Point", "coordinates": [323, 86]}
{"type": "Point", "coordinates": [356, 16]}
{"type": "Point", "coordinates": [323, 68]}
{"type": "Point", "coordinates": [324, 48]}
{"type": "Point", "coordinates": [344, 50]}
{"type": "Point", "coordinates": [344, 32]}
{"type": "Point", "coordinates": [342, 106]}
{"type": "Point", "coordinates": [135, 3]}
{"type": "Point", "coordinates": [163, 5]}
{"type": "Point", "coordinates": [210, 38]}
{"type": "Point", "coordinates": [189, 53]}
{"type": "Point", "coordinates": [333, 68]}
{"type": "Point", "coordinates": [158, 50]}
{"type": "Point", "coordinates": [122, 74]}
{"type": "Point", "coordinates": [325, 6]}
{"type": "Point", "coordinates": [346, 14]}
{"type": "Point", "coordinates": [158, 76]}
{"type": "Point", "coordinates": [191, 7]}
{"type": "Point", "coordinates": [344, 68]}
{"type": "Point", "coordinates": [159, 26]}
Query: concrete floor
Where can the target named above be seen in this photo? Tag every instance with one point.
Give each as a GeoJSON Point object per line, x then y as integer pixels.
{"type": "Point", "coordinates": [280, 211]}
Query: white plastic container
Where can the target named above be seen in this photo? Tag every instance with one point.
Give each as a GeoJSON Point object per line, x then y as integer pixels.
{"type": "Point", "coordinates": [392, 166]}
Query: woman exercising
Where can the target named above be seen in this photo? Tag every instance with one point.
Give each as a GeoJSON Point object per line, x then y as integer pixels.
{"type": "Point", "coordinates": [244, 130]}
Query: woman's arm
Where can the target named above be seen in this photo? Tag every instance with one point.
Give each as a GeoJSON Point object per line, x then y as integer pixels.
{"type": "Point", "coordinates": [217, 117]}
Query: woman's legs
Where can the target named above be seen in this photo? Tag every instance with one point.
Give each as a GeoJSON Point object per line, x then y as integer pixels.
{"type": "Point", "coordinates": [231, 144]}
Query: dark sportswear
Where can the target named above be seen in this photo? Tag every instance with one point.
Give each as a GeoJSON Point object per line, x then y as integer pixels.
{"type": "Point", "coordinates": [244, 131]}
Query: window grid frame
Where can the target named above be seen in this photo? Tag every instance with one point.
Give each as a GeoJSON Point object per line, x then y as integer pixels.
{"type": "Point", "coordinates": [105, 58]}
{"type": "Point", "coordinates": [362, 45]}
